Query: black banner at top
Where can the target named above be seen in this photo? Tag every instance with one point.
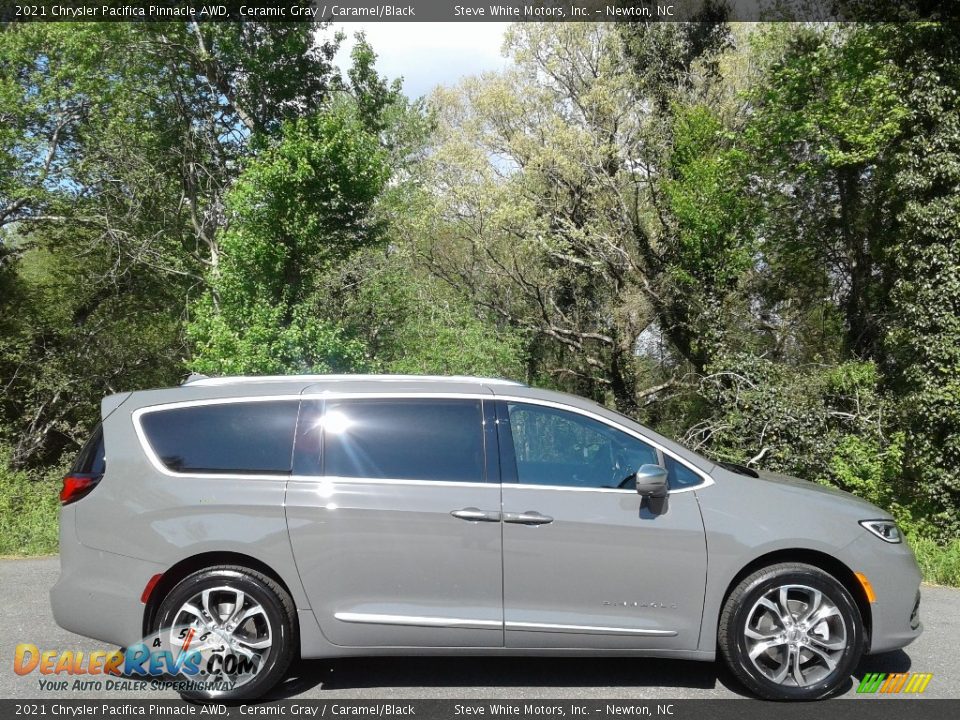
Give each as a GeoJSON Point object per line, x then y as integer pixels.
{"type": "Point", "coordinates": [467, 709]}
{"type": "Point", "coordinates": [477, 10]}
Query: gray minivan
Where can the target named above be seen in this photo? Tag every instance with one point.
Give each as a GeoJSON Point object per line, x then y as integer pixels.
{"type": "Point", "coordinates": [240, 522]}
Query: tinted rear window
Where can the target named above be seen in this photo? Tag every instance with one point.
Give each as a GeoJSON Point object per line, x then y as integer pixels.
{"type": "Point", "coordinates": [247, 437]}
{"type": "Point", "coordinates": [404, 439]}
{"type": "Point", "coordinates": [91, 459]}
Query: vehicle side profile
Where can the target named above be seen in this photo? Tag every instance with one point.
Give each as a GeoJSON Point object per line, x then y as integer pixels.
{"type": "Point", "coordinates": [248, 520]}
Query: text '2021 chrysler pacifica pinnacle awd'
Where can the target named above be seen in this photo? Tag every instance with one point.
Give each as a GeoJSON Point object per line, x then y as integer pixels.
{"type": "Point", "coordinates": [243, 521]}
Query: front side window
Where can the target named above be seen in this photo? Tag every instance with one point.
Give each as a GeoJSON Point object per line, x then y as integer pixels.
{"type": "Point", "coordinates": [403, 439]}
{"type": "Point", "coordinates": [235, 438]}
{"type": "Point", "coordinates": [557, 447]}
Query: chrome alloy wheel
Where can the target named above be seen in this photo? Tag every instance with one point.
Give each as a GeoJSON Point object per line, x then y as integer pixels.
{"type": "Point", "coordinates": [227, 624]}
{"type": "Point", "coordinates": [795, 635]}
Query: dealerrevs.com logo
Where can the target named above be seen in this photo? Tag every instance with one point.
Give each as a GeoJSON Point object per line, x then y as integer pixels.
{"type": "Point", "coordinates": [889, 683]}
{"type": "Point", "coordinates": [192, 667]}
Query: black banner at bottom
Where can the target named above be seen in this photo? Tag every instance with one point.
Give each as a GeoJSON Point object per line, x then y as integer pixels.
{"type": "Point", "coordinates": [866, 708]}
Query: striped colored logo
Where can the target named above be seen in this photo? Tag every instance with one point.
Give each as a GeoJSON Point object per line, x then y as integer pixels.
{"type": "Point", "coordinates": [894, 682]}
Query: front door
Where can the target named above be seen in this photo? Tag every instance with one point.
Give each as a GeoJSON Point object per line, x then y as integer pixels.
{"type": "Point", "coordinates": [587, 562]}
{"type": "Point", "coordinates": [393, 513]}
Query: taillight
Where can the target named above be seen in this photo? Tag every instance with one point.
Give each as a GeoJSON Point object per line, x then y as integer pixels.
{"type": "Point", "coordinates": [76, 486]}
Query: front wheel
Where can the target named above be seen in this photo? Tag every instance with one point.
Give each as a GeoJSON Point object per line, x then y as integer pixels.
{"type": "Point", "coordinates": [236, 628]}
{"type": "Point", "coordinates": [791, 632]}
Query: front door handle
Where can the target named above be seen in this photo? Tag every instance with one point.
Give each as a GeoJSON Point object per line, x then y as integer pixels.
{"type": "Point", "coordinates": [530, 517]}
{"type": "Point", "coordinates": [476, 515]}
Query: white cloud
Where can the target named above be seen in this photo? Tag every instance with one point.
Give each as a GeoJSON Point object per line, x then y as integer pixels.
{"type": "Point", "coordinates": [428, 54]}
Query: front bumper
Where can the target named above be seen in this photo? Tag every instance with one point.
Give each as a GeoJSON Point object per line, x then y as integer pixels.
{"type": "Point", "coordinates": [895, 577]}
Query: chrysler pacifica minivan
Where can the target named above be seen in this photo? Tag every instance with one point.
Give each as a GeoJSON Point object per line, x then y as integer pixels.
{"type": "Point", "coordinates": [245, 521]}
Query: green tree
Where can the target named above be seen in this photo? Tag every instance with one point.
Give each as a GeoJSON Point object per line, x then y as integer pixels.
{"type": "Point", "coordinates": [304, 207]}
{"type": "Point", "coordinates": [411, 322]}
{"type": "Point", "coordinates": [924, 339]}
{"type": "Point", "coordinates": [711, 245]}
{"type": "Point", "coordinates": [117, 145]}
{"type": "Point", "coordinates": [857, 146]}
{"type": "Point", "coordinates": [828, 117]}
{"type": "Point", "coordinates": [562, 205]}
{"type": "Point", "coordinates": [301, 206]}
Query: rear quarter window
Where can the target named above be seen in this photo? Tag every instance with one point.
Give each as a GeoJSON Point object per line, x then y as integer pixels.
{"type": "Point", "coordinates": [235, 438]}
{"type": "Point", "coordinates": [91, 459]}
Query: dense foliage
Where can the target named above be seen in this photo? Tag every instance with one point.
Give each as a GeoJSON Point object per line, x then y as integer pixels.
{"type": "Point", "coordinates": [746, 237]}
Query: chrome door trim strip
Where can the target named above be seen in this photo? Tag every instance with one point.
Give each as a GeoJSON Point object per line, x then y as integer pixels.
{"type": "Point", "coordinates": [417, 621]}
{"type": "Point", "coordinates": [587, 629]}
{"type": "Point", "coordinates": [474, 623]}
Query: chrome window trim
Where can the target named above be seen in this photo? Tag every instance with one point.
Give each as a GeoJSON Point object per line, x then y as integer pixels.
{"type": "Point", "coordinates": [413, 394]}
{"type": "Point", "coordinates": [319, 379]}
{"type": "Point", "coordinates": [532, 486]}
{"type": "Point", "coordinates": [374, 395]}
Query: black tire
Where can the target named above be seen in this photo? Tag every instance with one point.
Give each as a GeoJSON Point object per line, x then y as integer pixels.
{"type": "Point", "coordinates": [733, 641]}
{"type": "Point", "coordinates": [278, 608]}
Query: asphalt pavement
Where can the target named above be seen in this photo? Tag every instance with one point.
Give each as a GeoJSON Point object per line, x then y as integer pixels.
{"type": "Point", "coordinates": [26, 618]}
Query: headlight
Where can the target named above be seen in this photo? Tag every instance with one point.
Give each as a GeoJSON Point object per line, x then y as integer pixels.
{"type": "Point", "coordinates": [886, 530]}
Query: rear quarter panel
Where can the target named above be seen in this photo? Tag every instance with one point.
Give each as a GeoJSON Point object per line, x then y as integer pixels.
{"type": "Point", "coordinates": [141, 512]}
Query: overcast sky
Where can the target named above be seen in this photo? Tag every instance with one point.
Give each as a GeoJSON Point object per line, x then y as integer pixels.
{"type": "Point", "coordinates": [428, 54]}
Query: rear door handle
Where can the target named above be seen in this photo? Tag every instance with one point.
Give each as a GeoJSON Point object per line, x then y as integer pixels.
{"type": "Point", "coordinates": [530, 517]}
{"type": "Point", "coordinates": [476, 515]}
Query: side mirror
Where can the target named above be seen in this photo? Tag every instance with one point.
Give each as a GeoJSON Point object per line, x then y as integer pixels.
{"type": "Point", "coordinates": [652, 481]}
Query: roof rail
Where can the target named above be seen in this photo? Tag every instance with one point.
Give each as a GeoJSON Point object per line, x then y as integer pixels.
{"type": "Point", "coordinates": [204, 381]}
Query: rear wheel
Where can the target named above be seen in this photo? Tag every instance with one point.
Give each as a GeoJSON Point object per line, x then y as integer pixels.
{"type": "Point", "coordinates": [240, 627]}
{"type": "Point", "coordinates": [791, 632]}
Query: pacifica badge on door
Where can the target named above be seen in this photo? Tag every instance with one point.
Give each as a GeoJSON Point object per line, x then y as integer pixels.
{"type": "Point", "coordinates": [639, 604]}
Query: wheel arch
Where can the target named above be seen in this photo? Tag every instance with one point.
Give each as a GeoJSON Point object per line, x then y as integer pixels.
{"type": "Point", "coordinates": [844, 575]}
{"type": "Point", "coordinates": [177, 572]}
